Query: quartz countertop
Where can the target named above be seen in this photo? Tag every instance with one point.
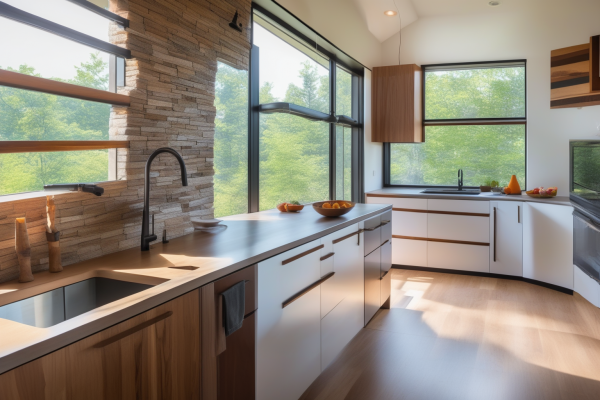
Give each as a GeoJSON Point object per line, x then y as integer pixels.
{"type": "Point", "coordinates": [416, 192]}
{"type": "Point", "coordinates": [244, 240]}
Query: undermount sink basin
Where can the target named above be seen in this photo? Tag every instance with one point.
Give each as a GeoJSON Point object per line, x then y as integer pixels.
{"type": "Point", "coordinates": [58, 305]}
{"type": "Point", "coordinates": [452, 191]}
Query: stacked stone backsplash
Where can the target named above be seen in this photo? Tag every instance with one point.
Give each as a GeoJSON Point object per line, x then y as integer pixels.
{"type": "Point", "coordinates": [175, 46]}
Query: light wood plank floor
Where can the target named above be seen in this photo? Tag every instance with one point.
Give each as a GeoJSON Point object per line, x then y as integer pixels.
{"type": "Point", "coordinates": [462, 337]}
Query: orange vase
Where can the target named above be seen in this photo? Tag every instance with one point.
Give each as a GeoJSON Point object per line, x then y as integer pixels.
{"type": "Point", "coordinates": [514, 185]}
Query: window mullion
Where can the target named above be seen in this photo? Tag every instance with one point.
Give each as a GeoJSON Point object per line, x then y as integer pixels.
{"type": "Point", "coordinates": [254, 131]}
{"type": "Point", "coordinates": [332, 130]}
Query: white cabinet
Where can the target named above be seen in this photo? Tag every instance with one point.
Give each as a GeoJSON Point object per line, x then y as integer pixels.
{"type": "Point", "coordinates": [506, 238]}
{"type": "Point", "coordinates": [288, 342]}
{"type": "Point", "coordinates": [409, 252]}
{"type": "Point", "coordinates": [548, 243]}
{"type": "Point", "coordinates": [463, 228]}
{"type": "Point", "coordinates": [409, 223]}
{"type": "Point", "coordinates": [458, 256]}
{"type": "Point", "coordinates": [461, 206]}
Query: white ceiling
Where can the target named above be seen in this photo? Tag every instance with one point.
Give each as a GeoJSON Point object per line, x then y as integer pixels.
{"type": "Point", "coordinates": [383, 27]}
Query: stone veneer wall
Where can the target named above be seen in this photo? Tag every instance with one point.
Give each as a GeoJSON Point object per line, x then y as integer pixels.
{"type": "Point", "coordinates": [175, 45]}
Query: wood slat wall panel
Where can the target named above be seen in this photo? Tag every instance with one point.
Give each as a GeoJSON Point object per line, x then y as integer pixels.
{"type": "Point", "coordinates": [570, 68]}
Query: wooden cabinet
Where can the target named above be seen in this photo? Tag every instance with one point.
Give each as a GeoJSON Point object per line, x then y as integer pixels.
{"type": "Point", "coordinates": [506, 238]}
{"type": "Point", "coordinates": [396, 104]}
{"type": "Point", "coordinates": [548, 244]}
{"type": "Point", "coordinates": [154, 355]}
{"type": "Point", "coordinates": [575, 75]}
{"type": "Point", "coordinates": [288, 339]}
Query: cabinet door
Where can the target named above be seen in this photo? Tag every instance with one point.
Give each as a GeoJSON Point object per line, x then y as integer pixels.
{"type": "Point", "coordinates": [386, 273]}
{"type": "Point", "coordinates": [548, 244]}
{"type": "Point", "coordinates": [462, 257]}
{"type": "Point", "coordinates": [288, 339]}
{"type": "Point", "coordinates": [409, 252]}
{"type": "Point", "coordinates": [372, 283]}
{"type": "Point", "coordinates": [506, 238]}
{"type": "Point", "coordinates": [155, 355]}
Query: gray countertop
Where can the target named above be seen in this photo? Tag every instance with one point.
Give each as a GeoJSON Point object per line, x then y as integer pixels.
{"type": "Point", "coordinates": [246, 239]}
{"type": "Point", "coordinates": [416, 192]}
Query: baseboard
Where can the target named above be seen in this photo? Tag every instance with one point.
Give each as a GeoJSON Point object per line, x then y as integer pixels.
{"type": "Point", "coordinates": [486, 275]}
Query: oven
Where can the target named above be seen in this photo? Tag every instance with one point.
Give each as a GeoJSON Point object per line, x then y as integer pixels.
{"type": "Point", "coordinates": [585, 196]}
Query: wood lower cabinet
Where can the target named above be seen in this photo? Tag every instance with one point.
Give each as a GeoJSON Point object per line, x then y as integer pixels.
{"type": "Point", "coordinates": [154, 355]}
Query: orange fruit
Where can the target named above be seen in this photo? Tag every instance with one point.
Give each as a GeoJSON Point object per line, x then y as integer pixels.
{"type": "Point", "coordinates": [343, 205]}
{"type": "Point", "coordinates": [507, 190]}
{"type": "Point", "coordinates": [336, 205]}
{"type": "Point", "coordinates": [326, 205]}
{"type": "Point", "coordinates": [281, 207]}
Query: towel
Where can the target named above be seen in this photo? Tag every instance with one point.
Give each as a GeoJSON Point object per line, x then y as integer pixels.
{"type": "Point", "coordinates": [233, 307]}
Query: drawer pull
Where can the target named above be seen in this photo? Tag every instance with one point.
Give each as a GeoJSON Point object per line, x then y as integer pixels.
{"type": "Point", "coordinates": [133, 330]}
{"type": "Point", "coordinates": [384, 275]}
{"type": "Point", "coordinates": [495, 224]}
{"type": "Point", "coordinates": [372, 229]}
{"type": "Point", "coordinates": [325, 257]}
{"type": "Point", "coordinates": [306, 290]}
{"type": "Point", "coordinates": [358, 232]}
{"type": "Point", "coordinates": [384, 242]}
{"type": "Point", "coordinates": [307, 252]}
{"type": "Point", "coordinates": [384, 223]}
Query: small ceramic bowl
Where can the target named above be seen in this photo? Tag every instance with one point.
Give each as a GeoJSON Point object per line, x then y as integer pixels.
{"type": "Point", "coordinates": [332, 212]}
{"type": "Point", "coordinates": [205, 223]}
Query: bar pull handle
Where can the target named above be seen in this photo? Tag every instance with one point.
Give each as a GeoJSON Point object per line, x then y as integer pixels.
{"type": "Point", "coordinates": [152, 224]}
{"type": "Point", "coordinates": [495, 230]}
{"type": "Point", "coordinates": [306, 290]}
{"type": "Point", "coordinates": [384, 242]}
{"type": "Point", "coordinates": [133, 330]}
{"type": "Point", "coordinates": [326, 256]}
{"type": "Point", "coordinates": [307, 252]}
{"type": "Point", "coordinates": [519, 214]}
{"type": "Point", "coordinates": [384, 275]}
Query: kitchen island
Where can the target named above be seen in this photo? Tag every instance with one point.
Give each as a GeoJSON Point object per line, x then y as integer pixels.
{"type": "Point", "coordinates": [172, 270]}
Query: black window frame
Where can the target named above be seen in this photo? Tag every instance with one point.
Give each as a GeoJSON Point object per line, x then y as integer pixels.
{"type": "Point", "coordinates": [386, 153]}
{"type": "Point", "coordinates": [355, 121]}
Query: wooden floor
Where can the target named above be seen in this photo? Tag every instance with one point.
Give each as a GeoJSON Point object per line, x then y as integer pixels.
{"type": "Point", "coordinates": [462, 337]}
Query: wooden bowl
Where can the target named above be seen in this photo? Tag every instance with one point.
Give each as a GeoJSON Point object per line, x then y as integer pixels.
{"type": "Point", "coordinates": [539, 196]}
{"type": "Point", "coordinates": [332, 212]}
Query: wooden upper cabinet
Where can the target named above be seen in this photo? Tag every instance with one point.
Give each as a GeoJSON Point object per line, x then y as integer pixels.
{"type": "Point", "coordinates": [396, 104]}
{"type": "Point", "coordinates": [575, 75]}
{"type": "Point", "coordinates": [155, 355]}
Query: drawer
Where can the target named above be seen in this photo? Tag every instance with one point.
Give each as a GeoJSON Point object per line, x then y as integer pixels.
{"type": "Point", "coordinates": [409, 252]}
{"type": "Point", "coordinates": [250, 275]}
{"type": "Point", "coordinates": [399, 202]}
{"type": "Point", "coordinates": [458, 227]}
{"type": "Point", "coordinates": [386, 257]}
{"type": "Point", "coordinates": [460, 257]}
{"type": "Point", "coordinates": [462, 206]}
{"type": "Point", "coordinates": [372, 234]}
{"type": "Point", "coordinates": [337, 329]}
{"type": "Point", "coordinates": [413, 224]}
{"type": "Point", "coordinates": [386, 226]}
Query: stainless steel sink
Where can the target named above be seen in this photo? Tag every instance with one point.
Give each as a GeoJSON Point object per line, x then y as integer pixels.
{"type": "Point", "coordinates": [58, 305]}
{"type": "Point", "coordinates": [452, 191]}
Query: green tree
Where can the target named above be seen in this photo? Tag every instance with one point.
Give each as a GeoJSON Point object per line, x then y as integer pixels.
{"type": "Point", "coordinates": [29, 115]}
{"type": "Point", "coordinates": [483, 152]}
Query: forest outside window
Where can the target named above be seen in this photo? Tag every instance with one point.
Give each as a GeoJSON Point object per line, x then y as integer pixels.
{"type": "Point", "coordinates": [66, 101]}
{"type": "Point", "coordinates": [475, 120]}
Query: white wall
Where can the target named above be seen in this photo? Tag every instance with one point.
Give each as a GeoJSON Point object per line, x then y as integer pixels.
{"type": "Point", "coordinates": [373, 172]}
{"type": "Point", "coordinates": [538, 28]}
{"type": "Point", "coordinates": [340, 22]}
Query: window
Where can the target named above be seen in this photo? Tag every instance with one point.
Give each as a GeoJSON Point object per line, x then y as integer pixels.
{"type": "Point", "coordinates": [475, 120]}
{"type": "Point", "coordinates": [231, 141]}
{"type": "Point", "coordinates": [42, 113]}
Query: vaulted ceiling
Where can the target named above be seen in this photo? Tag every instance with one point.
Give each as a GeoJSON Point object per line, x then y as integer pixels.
{"type": "Point", "coordinates": [382, 26]}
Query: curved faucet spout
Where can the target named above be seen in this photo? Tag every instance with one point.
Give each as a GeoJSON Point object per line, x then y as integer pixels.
{"type": "Point", "coordinates": [146, 236]}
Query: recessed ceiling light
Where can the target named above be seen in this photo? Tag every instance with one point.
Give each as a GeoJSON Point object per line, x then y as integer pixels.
{"type": "Point", "coordinates": [494, 3]}
{"type": "Point", "coordinates": [390, 13]}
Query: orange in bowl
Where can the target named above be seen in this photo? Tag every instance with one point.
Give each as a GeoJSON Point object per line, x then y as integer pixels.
{"type": "Point", "coordinates": [333, 208]}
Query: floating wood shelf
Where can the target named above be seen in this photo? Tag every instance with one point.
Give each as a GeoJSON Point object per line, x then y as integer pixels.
{"type": "Point", "coordinates": [575, 75]}
{"type": "Point", "coordinates": [27, 82]}
{"type": "Point", "coordinates": [43, 146]}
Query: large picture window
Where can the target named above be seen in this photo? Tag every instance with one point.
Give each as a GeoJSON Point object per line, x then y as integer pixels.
{"type": "Point", "coordinates": [58, 79]}
{"type": "Point", "coordinates": [475, 120]}
{"type": "Point", "coordinates": [301, 140]}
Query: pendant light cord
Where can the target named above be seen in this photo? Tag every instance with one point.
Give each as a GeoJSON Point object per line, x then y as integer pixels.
{"type": "Point", "coordinates": [399, 32]}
